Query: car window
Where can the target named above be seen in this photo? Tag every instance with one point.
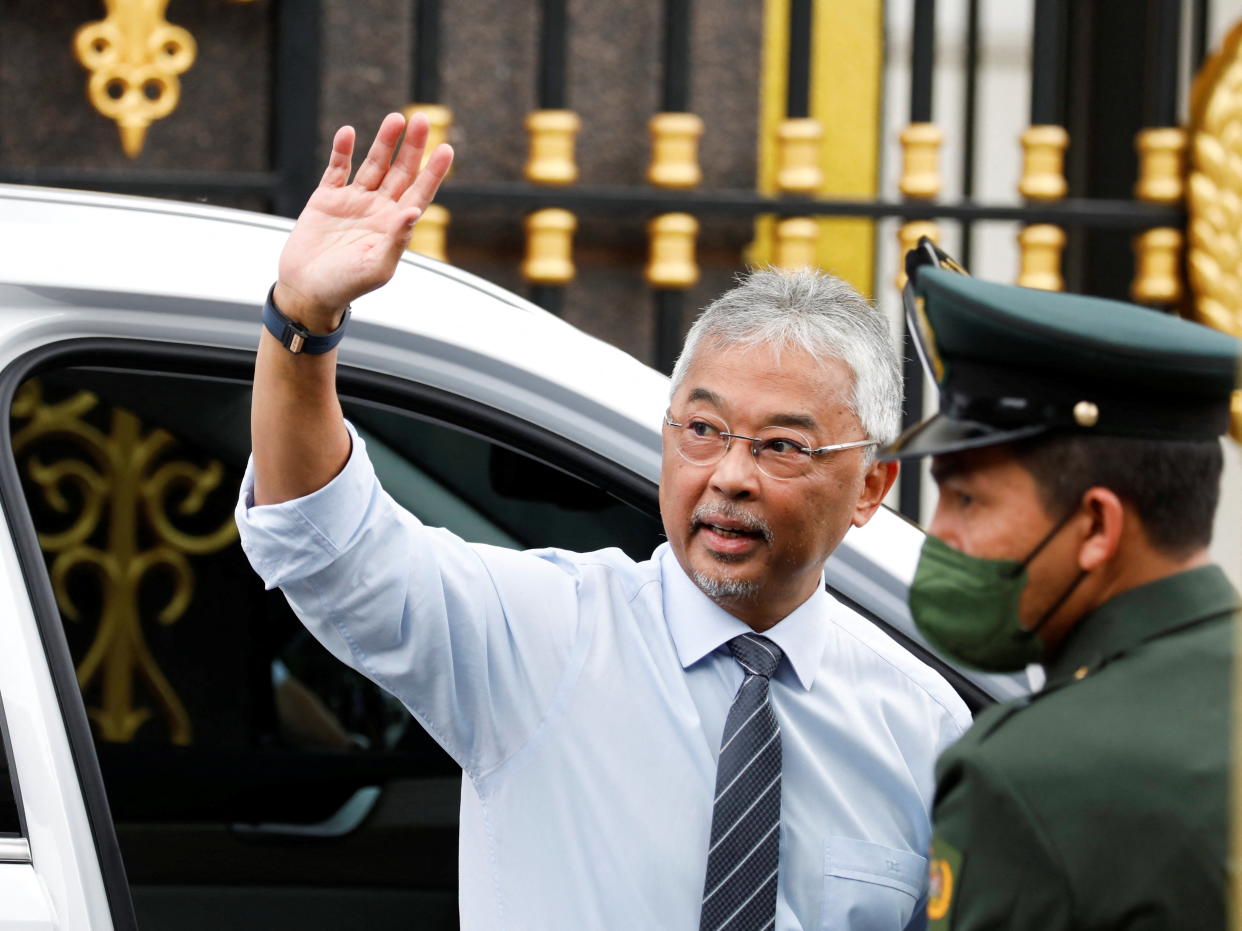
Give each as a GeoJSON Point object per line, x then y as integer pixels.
{"type": "Point", "coordinates": [242, 762]}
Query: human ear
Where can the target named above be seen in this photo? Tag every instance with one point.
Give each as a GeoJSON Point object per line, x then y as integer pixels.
{"type": "Point", "coordinates": [877, 481]}
{"type": "Point", "coordinates": [1108, 517]}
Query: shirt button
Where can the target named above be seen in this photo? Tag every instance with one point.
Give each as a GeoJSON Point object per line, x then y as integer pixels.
{"type": "Point", "coordinates": [1081, 672]}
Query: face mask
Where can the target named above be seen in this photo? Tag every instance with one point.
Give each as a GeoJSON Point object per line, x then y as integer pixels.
{"type": "Point", "coordinates": [967, 607]}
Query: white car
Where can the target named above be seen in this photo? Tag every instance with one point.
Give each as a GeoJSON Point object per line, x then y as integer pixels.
{"type": "Point", "coordinates": [177, 751]}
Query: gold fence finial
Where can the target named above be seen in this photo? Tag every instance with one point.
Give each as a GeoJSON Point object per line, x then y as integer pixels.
{"type": "Point", "coordinates": [675, 150]}
{"type": "Point", "coordinates": [796, 239]}
{"type": "Point", "coordinates": [134, 56]}
{"type": "Point", "coordinates": [1043, 180]}
{"type": "Point", "coordinates": [798, 142]}
{"type": "Point", "coordinates": [1162, 165]}
{"type": "Point", "coordinates": [920, 171]}
{"type": "Point", "coordinates": [549, 247]}
{"type": "Point", "coordinates": [920, 180]}
{"type": "Point", "coordinates": [552, 137]}
{"type": "Point", "coordinates": [1043, 163]}
{"type": "Point", "coordinates": [1041, 245]}
{"type": "Point", "coordinates": [1158, 275]}
{"type": "Point", "coordinates": [1158, 252]}
{"type": "Point", "coordinates": [671, 263]}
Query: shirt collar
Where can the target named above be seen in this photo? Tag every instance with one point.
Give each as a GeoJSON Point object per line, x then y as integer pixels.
{"type": "Point", "coordinates": [699, 625]}
{"type": "Point", "coordinates": [1141, 614]}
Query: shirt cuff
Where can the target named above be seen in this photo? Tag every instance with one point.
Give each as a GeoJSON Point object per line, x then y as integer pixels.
{"type": "Point", "coordinates": [290, 540]}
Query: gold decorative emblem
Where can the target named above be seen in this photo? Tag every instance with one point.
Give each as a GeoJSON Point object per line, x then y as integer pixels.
{"type": "Point", "coordinates": [1086, 414]}
{"type": "Point", "coordinates": [939, 889]}
{"type": "Point", "coordinates": [1215, 194]}
{"type": "Point", "coordinates": [134, 55]}
{"type": "Point", "coordinates": [119, 483]}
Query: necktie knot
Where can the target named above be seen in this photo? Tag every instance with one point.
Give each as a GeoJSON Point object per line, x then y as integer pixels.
{"type": "Point", "coordinates": [757, 655]}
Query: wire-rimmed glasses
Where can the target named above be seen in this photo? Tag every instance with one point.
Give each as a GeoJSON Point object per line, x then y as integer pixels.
{"type": "Point", "coordinates": [779, 452]}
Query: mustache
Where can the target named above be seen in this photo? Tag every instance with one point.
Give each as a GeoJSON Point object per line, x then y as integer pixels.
{"type": "Point", "coordinates": [714, 513]}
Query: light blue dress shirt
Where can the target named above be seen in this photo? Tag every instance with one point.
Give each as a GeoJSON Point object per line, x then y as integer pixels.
{"type": "Point", "coordinates": [584, 696]}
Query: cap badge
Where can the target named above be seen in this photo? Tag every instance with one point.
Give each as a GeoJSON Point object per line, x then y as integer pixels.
{"type": "Point", "coordinates": [1086, 414]}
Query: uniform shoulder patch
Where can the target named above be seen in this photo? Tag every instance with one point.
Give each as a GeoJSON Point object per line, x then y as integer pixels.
{"type": "Point", "coordinates": [944, 873]}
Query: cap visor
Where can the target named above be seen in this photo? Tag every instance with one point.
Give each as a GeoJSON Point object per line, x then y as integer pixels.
{"type": "Point", "coordinates": [939, 434]}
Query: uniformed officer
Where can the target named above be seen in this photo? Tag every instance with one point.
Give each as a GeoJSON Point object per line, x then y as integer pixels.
{"type": "Point", "coordinates": [1078, 459]}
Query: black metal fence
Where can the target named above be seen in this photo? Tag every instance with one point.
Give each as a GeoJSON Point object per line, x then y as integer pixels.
{"type": "Point", "coordinates": [1068, 41]}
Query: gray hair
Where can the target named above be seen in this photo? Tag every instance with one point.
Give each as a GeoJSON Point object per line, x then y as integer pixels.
{"type": "Point", "coordinates": [816, 312]}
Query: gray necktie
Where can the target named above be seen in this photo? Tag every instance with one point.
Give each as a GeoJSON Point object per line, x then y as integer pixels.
{"type": "Point", "coordinates": [739, 893]}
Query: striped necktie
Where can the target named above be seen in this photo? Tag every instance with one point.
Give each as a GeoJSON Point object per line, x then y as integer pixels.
{"type": "Point", "coordinates": [739, 893]}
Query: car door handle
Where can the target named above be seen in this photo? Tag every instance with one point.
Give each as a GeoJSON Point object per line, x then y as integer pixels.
{"type": "Point", "coordinates": [14, 850]}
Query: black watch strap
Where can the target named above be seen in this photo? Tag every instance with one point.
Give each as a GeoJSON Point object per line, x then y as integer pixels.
{"type": "Point", "coordinates": [295, 337]}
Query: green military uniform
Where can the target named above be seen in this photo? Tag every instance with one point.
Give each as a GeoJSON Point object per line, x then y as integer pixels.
{"type": "Point", "coordinates": [1101, 801]}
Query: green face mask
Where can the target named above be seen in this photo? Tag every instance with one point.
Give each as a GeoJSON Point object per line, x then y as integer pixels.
{"type": "Point", "coordinates": [967, 607]}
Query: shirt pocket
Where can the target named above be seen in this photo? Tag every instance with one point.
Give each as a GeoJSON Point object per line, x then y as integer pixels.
{"type": "Point", "coordinates": [869, 887]}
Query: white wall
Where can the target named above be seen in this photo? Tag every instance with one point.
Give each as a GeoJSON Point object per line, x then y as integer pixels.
{"type": "Point", "coordinates": [1003, 101]}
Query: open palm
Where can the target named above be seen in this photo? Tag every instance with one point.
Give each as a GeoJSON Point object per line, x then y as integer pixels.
{"type": "Point", "coordinates": [350, 236]}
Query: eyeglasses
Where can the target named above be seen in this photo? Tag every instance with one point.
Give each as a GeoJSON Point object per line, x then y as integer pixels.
{"type": "Point", "coordinates": [778, 451]}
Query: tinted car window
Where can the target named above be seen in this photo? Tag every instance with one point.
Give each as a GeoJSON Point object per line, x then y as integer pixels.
{"type": "Point", "coordinates": [243, 764]}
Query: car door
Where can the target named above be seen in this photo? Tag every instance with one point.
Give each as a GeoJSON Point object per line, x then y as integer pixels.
{"type": "Point", "coordinates": [23, 902]}
{"type": "Point", "coordinates": [254, 781]}
{"type": "Point", "coordinates": [59, 866]}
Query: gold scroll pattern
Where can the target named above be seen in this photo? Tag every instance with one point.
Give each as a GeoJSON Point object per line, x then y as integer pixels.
{"type": "Point", "coordinates": [1215, 194]}
{"type": "Point", "coordinates": [121, 485]}
{"type": "Point", "coordinates": [134, 56]}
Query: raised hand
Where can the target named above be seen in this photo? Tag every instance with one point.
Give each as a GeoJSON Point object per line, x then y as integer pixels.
{"type": "Point", "coordinates": [351, 235]}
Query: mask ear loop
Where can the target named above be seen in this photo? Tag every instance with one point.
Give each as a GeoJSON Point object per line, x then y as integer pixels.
{"type": "Point", "coordinates": [1082, 574]}
{"type": "Point", "coordinates": [1056, 528]}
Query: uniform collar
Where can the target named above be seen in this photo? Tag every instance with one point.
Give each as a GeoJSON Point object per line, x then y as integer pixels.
{"type": "Point", "coordinates": [699, 625]}
{"type": "Point", "coordinates": [1141, 614]}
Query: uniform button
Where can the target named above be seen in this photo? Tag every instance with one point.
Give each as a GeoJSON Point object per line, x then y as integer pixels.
{"type": "Point", "coordinates": [1081, 672]}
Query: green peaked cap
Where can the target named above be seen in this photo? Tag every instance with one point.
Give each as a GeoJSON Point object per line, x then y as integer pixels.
{"type": "Point", "coordinates": [1013, 362]}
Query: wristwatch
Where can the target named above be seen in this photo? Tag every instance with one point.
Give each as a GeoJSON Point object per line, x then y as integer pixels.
{"type": "Point", "coordinates": [295, 337]}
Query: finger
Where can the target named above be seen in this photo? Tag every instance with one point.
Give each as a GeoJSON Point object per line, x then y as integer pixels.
{"type": "Point", "coordinates": [410, 156]}
{"type": "Point", "coordinates": [337, 172]}
{"type": "Point", "coordinates": [372, 170]}
{"type": "Point", "coordinates": [424, 188]}
{"type": "Point", "coordinates": [399, 234]}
